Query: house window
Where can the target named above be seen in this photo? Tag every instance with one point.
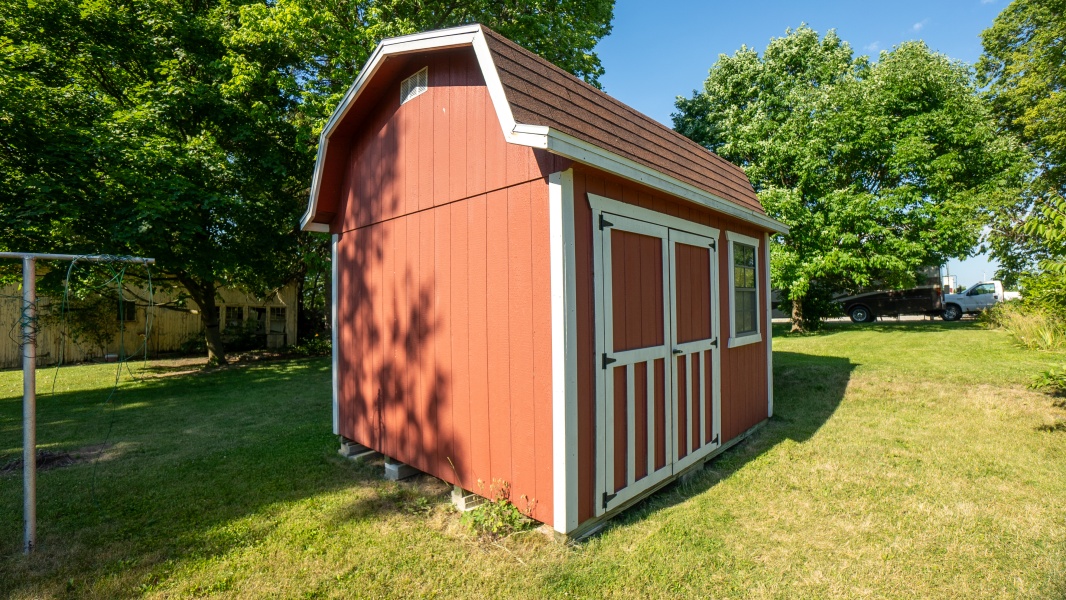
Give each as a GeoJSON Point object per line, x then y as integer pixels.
{"type": "Point", "coordinates": [743, 290]}
{"type": "Point", "coordinates": [259, 315]}
{"type": "Point", "coordinates": [234, 316]}
{"type": "Point", "coordinates": [277, 319]}
{"type": "Point", "coordinates": [127, 311]}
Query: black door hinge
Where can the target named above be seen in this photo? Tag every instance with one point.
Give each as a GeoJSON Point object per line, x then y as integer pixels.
{"type": "Point", "coordinates": [715, 440]}
{"type": "Point", "coordinates": [714, 245]}
{"type": "Point", "coordinates": [607, 498]}
{"type": "Point", "coordinates": [608, 360]}
{"type": "Point", "coordinates": [715, 342]}
{"type": "Point", "coordinates": [604, 223]}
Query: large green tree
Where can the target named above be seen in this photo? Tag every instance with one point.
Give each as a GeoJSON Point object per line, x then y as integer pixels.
{"type": "Point", "coordinates": [878, 168]}
{"type": "Point", "coordinates": [1024, 69]}
{"type": "Point", "coordinates": [186, 130]}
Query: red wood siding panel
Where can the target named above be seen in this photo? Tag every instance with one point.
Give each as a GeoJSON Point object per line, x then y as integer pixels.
{"type": "Point", "coordinates": [680, 409]}
{"type": "Point", "coordinates": [444, 349]}
{"type": "Point", "coordinates": [660, 413]}
{"type": "Point", "coordinates": [743, 369]}
{"type": "Point", "coordinates": [637, 281]}
{"type": "Point", "coordinates": [640, 385]}
{"type": "Point", "coordinates": [621, 433]}
{"type": "Point", "coordinates": [693, 266]}
{"type": "Point", "coordinates": [444, 145]}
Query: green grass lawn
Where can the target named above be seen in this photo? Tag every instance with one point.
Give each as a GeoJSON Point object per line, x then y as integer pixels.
{"type": "Point", "coordinates": [903, 460]}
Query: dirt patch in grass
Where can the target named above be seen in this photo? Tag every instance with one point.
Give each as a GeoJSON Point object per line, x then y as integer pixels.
{"type": "Point", "coordinates": [49, 459]}
{"type": "Point", "coordinates": [1059, 425]}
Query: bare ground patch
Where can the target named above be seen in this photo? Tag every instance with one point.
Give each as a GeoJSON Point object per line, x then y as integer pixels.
{"type": "Point", "coordinates": [51, 459]}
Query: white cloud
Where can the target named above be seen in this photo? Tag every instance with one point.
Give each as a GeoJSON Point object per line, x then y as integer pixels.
{"type": "Point", "coordinates": [987, 1]}
{"type": "Point", "coordinates": [872, 47]}
{"type": "Point", "coordinates": [919, 25]}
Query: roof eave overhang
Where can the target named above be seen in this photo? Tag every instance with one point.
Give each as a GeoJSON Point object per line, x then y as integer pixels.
{"type": "Point", "coordinates": [535, 136]}
{"type": "Point", "coordinates": [570, 147]}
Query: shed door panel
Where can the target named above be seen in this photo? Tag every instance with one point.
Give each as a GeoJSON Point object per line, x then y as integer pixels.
{"type": "Point", "coordinates": [694, 347]}
{"type": "Point", "coordinates": [633, 424]}
{"type": "Point", "coordinates": [658, 404]}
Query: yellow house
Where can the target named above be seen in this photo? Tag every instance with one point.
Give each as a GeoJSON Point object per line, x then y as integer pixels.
{"type": "Point", "coordinates": [268, 322]}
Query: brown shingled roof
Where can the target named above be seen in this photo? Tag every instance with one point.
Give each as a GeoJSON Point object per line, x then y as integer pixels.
{"type": "Point", "coordinates": [542, 94]}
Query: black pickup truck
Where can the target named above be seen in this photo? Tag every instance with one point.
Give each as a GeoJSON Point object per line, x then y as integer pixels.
{"type": "Point", "coordinates": [926, 299]}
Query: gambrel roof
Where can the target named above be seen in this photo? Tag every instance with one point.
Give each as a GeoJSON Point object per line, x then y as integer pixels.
{"type": "Point", "coordinates": [542, 106]}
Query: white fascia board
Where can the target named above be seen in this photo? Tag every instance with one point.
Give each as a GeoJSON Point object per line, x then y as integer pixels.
{"type": "Point", "coordinates": [433, 40]}
{"type": "Point", "coordinates": [573, 148]}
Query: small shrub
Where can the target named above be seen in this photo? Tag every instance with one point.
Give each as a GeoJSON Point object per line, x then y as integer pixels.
{"type": "Point", "coordinates": [1045, 292]}
{"type": "Point", "coordinates": [243, 337]}
{"type": "Point", "coordinates": [498, 517]}
{"type": "Point", "coordinates": [320, 345]}
{"type": "Point", "coordinates": [1052, 381]}
{"type": "Point", "coordinates": [1034, 328]}
{"type": "Point", "coordinates": [194, 344]}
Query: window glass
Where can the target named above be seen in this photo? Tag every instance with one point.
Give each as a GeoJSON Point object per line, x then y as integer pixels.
{"type": "Point", "coordinates": [127, 310]}
{"type": "Point", "coordinates": [745, 290]}
{"type": "Point", "coordinates": [277, 319]}
{"type": "Point", "coordinates": [986, 288]}
{"type": "Point", "coordinates": [234, 316]}
{"type": "Point", "coordinates": [259, 315]}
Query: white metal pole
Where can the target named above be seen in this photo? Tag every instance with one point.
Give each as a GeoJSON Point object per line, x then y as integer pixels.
{"type": "Point", "coordinates": [29, 402]}
{"type": "Point", "coordinates": [29, 376]}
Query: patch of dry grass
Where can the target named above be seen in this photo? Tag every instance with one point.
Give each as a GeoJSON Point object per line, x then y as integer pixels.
{"type": "Point", "coordinates": [904, 461]}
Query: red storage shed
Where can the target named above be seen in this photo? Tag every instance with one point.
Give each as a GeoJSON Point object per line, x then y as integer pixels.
{"type": "Point", "coordinates": [534, 283]}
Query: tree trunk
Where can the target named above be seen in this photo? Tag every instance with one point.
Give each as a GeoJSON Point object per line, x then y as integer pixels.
{"type": "Point", "coordinates": [203, 294]}
{"type": "Point", "coordinates": [797, 316]}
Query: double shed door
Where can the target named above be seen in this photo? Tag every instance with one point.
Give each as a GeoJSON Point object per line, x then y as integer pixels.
{"type": "Point", "coordinates": [658, 406]}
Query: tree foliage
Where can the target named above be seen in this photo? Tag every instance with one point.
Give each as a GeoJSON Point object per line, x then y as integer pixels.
{"type": "Point", "coordinates": [186, 130]}
{"type": "Point", "coordinates": [1024, 69]}
{"type": "Point", "coordinates": [878, 168]}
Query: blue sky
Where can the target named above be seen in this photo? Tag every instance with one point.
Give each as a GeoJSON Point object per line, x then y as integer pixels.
{"type": "Point", "coordinates": [663, 49]}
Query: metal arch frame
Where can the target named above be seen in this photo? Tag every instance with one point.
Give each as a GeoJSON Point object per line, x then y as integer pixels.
{"type": "Point", "coordinates": [29, 376]}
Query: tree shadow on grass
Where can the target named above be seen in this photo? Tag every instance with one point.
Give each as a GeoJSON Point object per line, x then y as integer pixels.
{"type": "Point", "coordinates": [808, 389]}
{"type": "Point", "coordinates": [884, 326]}
{"type": "Point", "coordinates": [195, 456]}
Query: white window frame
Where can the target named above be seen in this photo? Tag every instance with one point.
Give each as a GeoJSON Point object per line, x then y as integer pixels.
{"type": "Point", "coordinates": [755, 337]}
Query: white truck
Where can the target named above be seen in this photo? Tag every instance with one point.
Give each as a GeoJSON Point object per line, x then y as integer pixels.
{"type": "Point", "coordinates": [975, 299]}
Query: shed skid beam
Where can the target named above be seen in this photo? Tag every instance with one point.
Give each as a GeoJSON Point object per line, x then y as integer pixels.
{"type": "Point", "coordinates": [396, 470]}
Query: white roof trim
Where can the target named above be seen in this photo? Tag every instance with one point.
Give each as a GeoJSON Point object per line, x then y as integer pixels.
{"type": "Point", "coordinates": [536, 136]}
{"type": "Point", "coordinates": [581, 151]}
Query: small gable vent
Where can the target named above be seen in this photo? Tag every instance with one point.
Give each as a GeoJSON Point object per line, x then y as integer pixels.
{"type": "Point", "coordinates": [414, 85]}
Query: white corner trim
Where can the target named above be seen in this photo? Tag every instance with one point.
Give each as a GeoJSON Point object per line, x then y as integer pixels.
{"type": "Point", "coordinates": [755, 337]}
{"type": "Point", "coordinates": [616, 207]}
{"type": "Point", "coordinates": [563, 259]}
{"type": "Point", "coordinates": [769, 334]}
{"type": "Point", "coordinates": [333, 333]}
